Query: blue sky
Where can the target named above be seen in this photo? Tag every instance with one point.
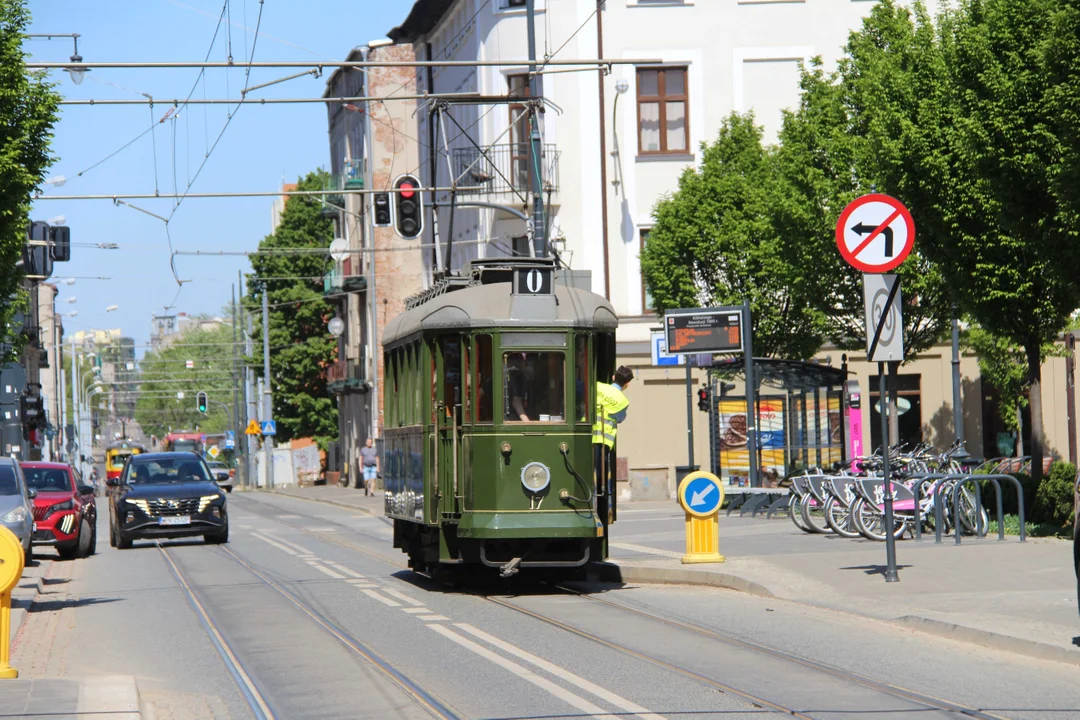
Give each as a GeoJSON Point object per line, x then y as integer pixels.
{"type": "Point", "coordinates": [262, 146]}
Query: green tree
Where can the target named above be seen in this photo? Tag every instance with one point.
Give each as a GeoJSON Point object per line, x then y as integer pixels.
{"type": "Point", "coordinates": [301, 346]}
{"type": "Point", "coordinates": [164, 373]}
{"type": "Point", "coordinates": [718, 241]}
{"type": "Point", "coordinates": [829, 158]}
{"type": "Point", "coordinates": [28, 111]}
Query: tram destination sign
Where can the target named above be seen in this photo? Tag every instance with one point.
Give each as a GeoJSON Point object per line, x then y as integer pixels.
{"type": "Point", "coordinates": [704, 330]}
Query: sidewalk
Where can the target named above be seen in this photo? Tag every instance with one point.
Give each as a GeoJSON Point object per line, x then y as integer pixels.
{"type": "Point", "coordinates": [1016, 597]}
{"type": "Point", "coordinates": [348, 497]}
{"type": "Point", "coordinates": [104, 697]}
{"type": "Point", "coordinates": [1011, 596]}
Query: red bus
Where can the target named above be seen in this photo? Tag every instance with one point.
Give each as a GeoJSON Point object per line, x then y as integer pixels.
{"type": "Point", "coordinates": [184, 442]}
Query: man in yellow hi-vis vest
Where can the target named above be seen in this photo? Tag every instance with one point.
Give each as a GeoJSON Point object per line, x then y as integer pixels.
{"type": "Point", "coordinates": [611, 405]}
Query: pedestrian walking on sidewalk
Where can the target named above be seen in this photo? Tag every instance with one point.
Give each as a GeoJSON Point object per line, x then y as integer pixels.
{"type": "Point", "coordinates": [369, 460]}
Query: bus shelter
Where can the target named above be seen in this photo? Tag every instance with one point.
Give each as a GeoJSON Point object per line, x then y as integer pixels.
{"type": "Point", "coordinates": [800, 418]}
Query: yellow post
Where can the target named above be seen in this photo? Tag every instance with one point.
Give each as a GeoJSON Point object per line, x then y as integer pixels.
{"type": "Point", "coordinates": [701, 496]}
{"type": "Point", "coordinates": [11, 569]}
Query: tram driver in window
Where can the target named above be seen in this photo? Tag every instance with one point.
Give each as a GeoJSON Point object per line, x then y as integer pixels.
{"type": "Point", "coordinates": [517, 386]}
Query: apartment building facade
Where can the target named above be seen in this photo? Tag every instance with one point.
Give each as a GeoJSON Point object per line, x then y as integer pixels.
{"type": "Point", "coordinates": [372, 143]}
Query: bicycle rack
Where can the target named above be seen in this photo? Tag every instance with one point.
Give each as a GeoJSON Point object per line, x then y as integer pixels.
{"type": "Point", "coordinates": [939, 514]}
{"type": "Point", "coordinates": [1000, 514]}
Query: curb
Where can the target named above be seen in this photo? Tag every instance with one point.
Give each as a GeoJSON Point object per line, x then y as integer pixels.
{"type": "Point", "coordinates": [110, 697]}
{"type": "Point", "coordinates": [998, 641]}
{"type": "Point", "coordinates": [613, 572]}
{"type": "Point", "coordinates": [324, 501]}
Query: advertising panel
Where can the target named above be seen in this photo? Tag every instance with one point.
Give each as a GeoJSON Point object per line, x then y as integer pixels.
{"type": "Point", "coordinates": [734, 451]}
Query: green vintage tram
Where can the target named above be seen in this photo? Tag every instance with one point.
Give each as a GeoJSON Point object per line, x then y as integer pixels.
{"type": "Point", "coordinates": [489, 406]}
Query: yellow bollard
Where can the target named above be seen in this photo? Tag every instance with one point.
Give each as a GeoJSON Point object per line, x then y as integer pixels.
{"type": "Point", "coordinates": [701, 496]}
{"type": "Point", "coordinates": [11, 569]}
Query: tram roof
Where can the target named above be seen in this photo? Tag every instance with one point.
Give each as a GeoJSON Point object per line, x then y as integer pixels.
{"type": "Point", "coordinates": [494, 306]}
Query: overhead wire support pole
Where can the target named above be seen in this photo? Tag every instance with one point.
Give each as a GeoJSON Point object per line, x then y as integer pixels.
{"type": "Point", "coordinates": [268, 442]}
{"type": "Point", "coordinates": [236, 384]}
{"type": "Point", "coordinates": [539, 245]}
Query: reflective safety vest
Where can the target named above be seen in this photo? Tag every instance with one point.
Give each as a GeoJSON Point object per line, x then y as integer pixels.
{"type": "Point", "coordinates": [609, 401]}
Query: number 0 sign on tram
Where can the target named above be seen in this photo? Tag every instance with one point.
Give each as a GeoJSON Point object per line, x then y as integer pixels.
{"type": "Point", "coordinates": [875, 233]}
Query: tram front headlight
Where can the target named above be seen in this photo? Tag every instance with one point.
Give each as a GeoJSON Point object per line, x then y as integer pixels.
{"type": "Point", "coordinates": [535, 477]}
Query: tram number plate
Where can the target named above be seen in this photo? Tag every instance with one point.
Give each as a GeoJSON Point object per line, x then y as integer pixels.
{"type": "Point", "coordinates": [175, 520]}
{"type": "Point", "coordinates": [533, 281]}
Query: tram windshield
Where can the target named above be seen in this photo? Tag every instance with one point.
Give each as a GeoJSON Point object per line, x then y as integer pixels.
{"type": "Point", "coordinates": [533, 386]}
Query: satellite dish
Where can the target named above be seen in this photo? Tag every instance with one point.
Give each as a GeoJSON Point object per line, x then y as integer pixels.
{"type": "Point", "coordinates": [339, 249]}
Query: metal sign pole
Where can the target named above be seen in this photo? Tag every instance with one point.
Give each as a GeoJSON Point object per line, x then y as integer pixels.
{"type": "Point", "coordinates": [890, 538]}
{"type": "Point", "coordinates": [751, 395]}
{"type": "Point", "coordinates": [689, 416]}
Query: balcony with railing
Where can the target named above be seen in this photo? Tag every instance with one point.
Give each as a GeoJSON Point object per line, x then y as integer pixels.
{"type": "Point", "coordinates": [502, 169]}
{"type": "Point", "coordinates": [345, 376]}
{"type": "Point", "coordinates": [340, 279]}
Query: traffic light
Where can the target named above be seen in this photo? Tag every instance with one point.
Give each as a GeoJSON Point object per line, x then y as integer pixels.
{"type": "Point", "coordinates": [384, 211]}
{"type": "Point", "coordinates": [32, 410]}
{"type": "Point", "coordinates": [61, 243]}
{"type": "Point", "coordinates": [703, 400]}
{"type": "Point", "coordinates": [409, 207]}
{"type": "Point", "coordinates": [200, 401]}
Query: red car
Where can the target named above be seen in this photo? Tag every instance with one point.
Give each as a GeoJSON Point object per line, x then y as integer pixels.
{"type": "Point", "coordinates": [65, 514]}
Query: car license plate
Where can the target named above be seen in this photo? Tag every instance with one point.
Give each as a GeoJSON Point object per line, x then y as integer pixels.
{"type": "Point", "coordinates": [175, 520]}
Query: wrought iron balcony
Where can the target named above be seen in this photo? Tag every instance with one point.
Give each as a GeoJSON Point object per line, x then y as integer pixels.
{"type": "Point", "coordinates": [345, 376]}
{"type": "Point", "coordinates": [503, 169]}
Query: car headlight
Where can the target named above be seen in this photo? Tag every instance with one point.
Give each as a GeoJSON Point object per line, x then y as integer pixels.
{"type": "Point", "coordinates": [207, 499]}
{"type": "Point", "coordinates": [535, 477]}
{"type": "Point", "coordinates": [66, 505]}
{"type": "Point", "coordinates": [141, 504]}
{"type": "Point", "coordinates": [17, 515]}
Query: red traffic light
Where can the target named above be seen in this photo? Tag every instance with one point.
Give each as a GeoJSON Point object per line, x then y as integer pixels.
{"type": "Point", "coordinates": [407, 189]}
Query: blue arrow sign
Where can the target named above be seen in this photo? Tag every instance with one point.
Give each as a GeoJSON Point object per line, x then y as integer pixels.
{"type": "Point", "coordinates": [702, 496]}
{"type": "Point", "coordinates": [269, 427]}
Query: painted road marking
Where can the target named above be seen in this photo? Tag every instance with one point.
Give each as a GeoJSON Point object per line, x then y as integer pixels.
{"type": "Point", "coordinates": [401, 596]}
{"type": "Point", "coordinates": [381, 598]}
{"type": "Point", "coordinates": [299, 548]}
{"type": "Point", "coordinates": [561, 673]}
{"type": "Point", "coordinates": [343, 569]}
{"type": "Point", "coordinates": [325, 570]}
{"type": "Point", "coordinates": [415, 610]}
{"type": "Point", "coordinates": [645, 549]}
{"type": "Point", "coordinates": [290, 517]}
{"type": "Point", "coordinates": [524, 673]}
{"type": "Point", "coordinates": [360, 583]}
{"type": "Point", "coordinates": [278, 545]}
{"type": "Point", "coordinates": [432, 618]}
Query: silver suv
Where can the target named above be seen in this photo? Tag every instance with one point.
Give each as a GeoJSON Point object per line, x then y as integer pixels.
{"type": "Point", "coordinates": [17, 504]}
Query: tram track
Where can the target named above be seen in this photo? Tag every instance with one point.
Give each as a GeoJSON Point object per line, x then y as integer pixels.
{"type": "Point", "coordinates": [261, 709]}
{"type": "Point", "coordinates": [928, 702]}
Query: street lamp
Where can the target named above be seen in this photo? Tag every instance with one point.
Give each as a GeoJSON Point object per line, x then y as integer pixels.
{"type": "Point", "coordinates": [73, 313]}
{"type": "Point", "coordinates": [68, 281]}
{"type": "Point", "coordinates": [621, 87]}
{"type": "Point", "coordinates": [336, 326]}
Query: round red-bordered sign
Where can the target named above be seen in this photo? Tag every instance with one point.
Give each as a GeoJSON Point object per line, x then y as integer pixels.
{"type": "Point", "coordinates": [875, 233]}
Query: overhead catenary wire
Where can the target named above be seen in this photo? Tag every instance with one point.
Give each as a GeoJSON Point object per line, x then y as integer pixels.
{"type": "Point", "coordinates": [208, 65]}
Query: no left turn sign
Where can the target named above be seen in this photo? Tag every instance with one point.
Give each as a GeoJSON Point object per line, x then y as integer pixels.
{"type": "Point", "coordinates": [875, 233]}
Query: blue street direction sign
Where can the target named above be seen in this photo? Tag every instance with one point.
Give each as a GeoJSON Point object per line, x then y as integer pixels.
{"type": "Point", "coordinates": [230, 440]}
{"type": "Point", "coordinates": [269, 427]}
{"type": "Point", "coordinates": [701, 494]}
{"type": "Point", "coordinates": [660, 356]}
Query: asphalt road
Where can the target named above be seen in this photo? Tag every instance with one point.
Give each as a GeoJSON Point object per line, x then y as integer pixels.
{"type": "Point", "coordinates": [309, 613]}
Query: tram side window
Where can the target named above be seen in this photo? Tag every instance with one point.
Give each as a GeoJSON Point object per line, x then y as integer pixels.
{"type": "Point", "coordinates": [604, 345]}
{"type": "Point", "coordinates": [534, 386]}
{"type": "Point", "coordinates": [581, 378]}
{"type": "Point", "coordinates": [392, 400]}
{"type": "Point", "coordinates": [451, 358]}
{"type": "Point", "coordinates": [412, 412]}
{"type": "Point", "coordinates": [417, 376]}
{"type": "Point", "coordinates": [466, 374]}
{"type": "Point", "coordinates": [485, 398]}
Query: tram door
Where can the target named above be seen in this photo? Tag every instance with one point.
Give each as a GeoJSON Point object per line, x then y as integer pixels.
{"type": "Point", "coordinates": [448, 418]}
{"type": "Point", "coordinates": [604, 355]}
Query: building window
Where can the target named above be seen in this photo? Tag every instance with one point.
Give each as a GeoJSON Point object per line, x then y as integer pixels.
{"type": "Point", "coordinates": [512, 4]}
{"type": "Point", "coordinates": [647, 304]}
{"type": "Point", "coordinates": [663, 105]}
{"type": "Point", "coordinates": [909, 411]}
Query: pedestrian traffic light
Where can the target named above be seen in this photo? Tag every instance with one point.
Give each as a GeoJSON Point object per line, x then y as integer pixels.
{"type": "Point", "coordinates": [703, 400]}
{"type": "Point", "coordinates": [409, 207]}
{"type": "Point", "coordinates": [384, 211]}
{"type": "Point", "coordinates": [200, 401]}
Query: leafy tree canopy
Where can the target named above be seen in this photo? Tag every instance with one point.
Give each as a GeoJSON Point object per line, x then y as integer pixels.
{"type": "Point", "coordinates": [28, 111]}
{"type": "Point", "coordinates": [301, 346]}
{"type": "Point", "coordinates": [164, 373]}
